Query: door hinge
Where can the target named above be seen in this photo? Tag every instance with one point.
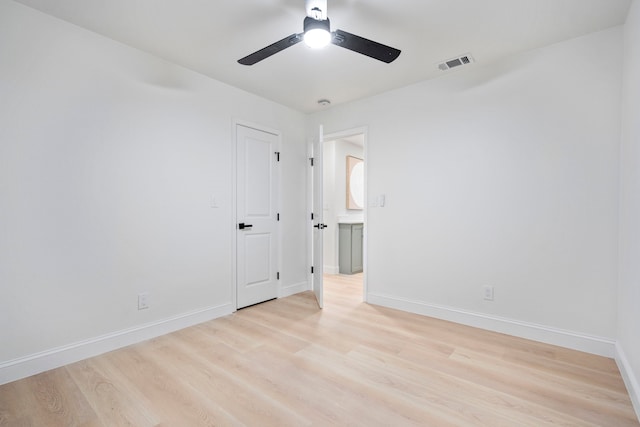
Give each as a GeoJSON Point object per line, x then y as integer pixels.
{"type": "Point", "coordinates": [277, 153]}
{"type": "Point", "coordinates": [312, 269]}
{"type": "Point", "coordinates": [278, 275]}
{"type": "Point", "coordinates": [278, 217]}
{"type": "Point", "coordinates": [311, 216]}
{"type": "Point", "coordinates": [311, 160]}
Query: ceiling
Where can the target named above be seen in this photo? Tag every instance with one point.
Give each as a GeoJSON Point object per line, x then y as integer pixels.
{"type": "Point", "coordinates": [209, 36]}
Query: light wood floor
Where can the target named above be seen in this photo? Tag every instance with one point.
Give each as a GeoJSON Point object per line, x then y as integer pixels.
{"type": "Point", "coordinates": [286, 363]}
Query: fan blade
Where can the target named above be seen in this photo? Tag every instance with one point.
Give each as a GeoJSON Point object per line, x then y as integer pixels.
{"type": "Point", "coordinates": [364, 46]}
{"type": "Point", "coordinates": [272, 49]}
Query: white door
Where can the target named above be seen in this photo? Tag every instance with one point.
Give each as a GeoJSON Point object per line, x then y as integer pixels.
{"type": "Point", "coordinates": [317, 210]}
{"type": "Point", "coordinates": [256, 225]}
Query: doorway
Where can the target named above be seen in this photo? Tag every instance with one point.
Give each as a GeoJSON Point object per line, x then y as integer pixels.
{"type": "Point", "coordinates": [344, 211]}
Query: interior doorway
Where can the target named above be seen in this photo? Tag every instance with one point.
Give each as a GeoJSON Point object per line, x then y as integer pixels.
{"type": "Point", "coordinates": [344, 209]}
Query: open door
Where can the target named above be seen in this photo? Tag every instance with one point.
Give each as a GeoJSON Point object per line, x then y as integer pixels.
{"type": "Point", "coordinates": [317, 216]}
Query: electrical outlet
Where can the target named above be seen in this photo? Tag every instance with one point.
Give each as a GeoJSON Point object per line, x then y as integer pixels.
{"type": "Point", "coordinates": [488, 293]}
{"type": "Point", "coordinates": [143, 301]}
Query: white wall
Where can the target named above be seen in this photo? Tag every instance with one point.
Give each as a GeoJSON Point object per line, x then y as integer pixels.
{"type": "Point", "coordinates": [506, 175]}
{"type": "Point", "coordinates": [335, 196]}
{"type": "Point", "coordinates": [629, 295]}
{"type": "Point", "coordinates": [109, 159]}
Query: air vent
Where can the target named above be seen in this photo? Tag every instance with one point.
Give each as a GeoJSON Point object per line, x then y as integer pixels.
{"type": "Point", "coordinates": [456, 62]}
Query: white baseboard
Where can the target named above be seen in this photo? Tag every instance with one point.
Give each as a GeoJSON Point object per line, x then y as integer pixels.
{"type": "Point", "coordinates": [287, 291]}
{"type": "Point", "coordinates": [563, 338]}
{"type": "Point", "coordinates": [629, 377]}
{"type": "Point", "coordinates": [331, 269]}
{"type": "Point", "coordinates": [50, 359]}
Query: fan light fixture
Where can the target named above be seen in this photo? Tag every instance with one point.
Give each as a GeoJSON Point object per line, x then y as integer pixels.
{"type": "Point", "coordinates": [316, 32]}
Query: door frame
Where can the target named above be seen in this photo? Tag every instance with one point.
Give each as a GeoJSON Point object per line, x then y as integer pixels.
{"type": "Point", "coordinates": [332, 136]}
{"type": "Point", "coordinates": [234, 201]}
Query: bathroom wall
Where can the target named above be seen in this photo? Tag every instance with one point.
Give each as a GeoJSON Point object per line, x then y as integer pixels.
{"type": "Point", "coordinates": [335, 195]}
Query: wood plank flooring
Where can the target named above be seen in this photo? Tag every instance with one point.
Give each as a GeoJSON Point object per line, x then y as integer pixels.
{"type": "Point", "coordinates": [287, 363]}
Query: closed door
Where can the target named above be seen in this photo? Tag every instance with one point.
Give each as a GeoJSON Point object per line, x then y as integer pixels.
{"type": "Point", "coordinates": [257, 226]}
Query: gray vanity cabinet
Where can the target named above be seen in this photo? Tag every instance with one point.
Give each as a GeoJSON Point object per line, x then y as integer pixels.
{"type": "Point", "coordinates": [350, 248]}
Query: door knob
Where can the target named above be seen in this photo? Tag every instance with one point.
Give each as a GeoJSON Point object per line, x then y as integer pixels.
{"type": "Point", "coordinates": [242, 226]}
{"type": "Point", "coordinates": [320, 226]}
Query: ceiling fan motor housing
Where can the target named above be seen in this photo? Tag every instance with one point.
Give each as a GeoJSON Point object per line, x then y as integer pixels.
{"type": "Point", "coordinates": [313, 24]}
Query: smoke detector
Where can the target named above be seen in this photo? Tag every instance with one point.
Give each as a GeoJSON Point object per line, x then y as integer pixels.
{"type": "Point", "coordinates": [465, 59]}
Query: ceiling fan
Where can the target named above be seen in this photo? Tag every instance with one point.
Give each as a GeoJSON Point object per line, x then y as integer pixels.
{"type": "Point", "coordinates": [316, 34]}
